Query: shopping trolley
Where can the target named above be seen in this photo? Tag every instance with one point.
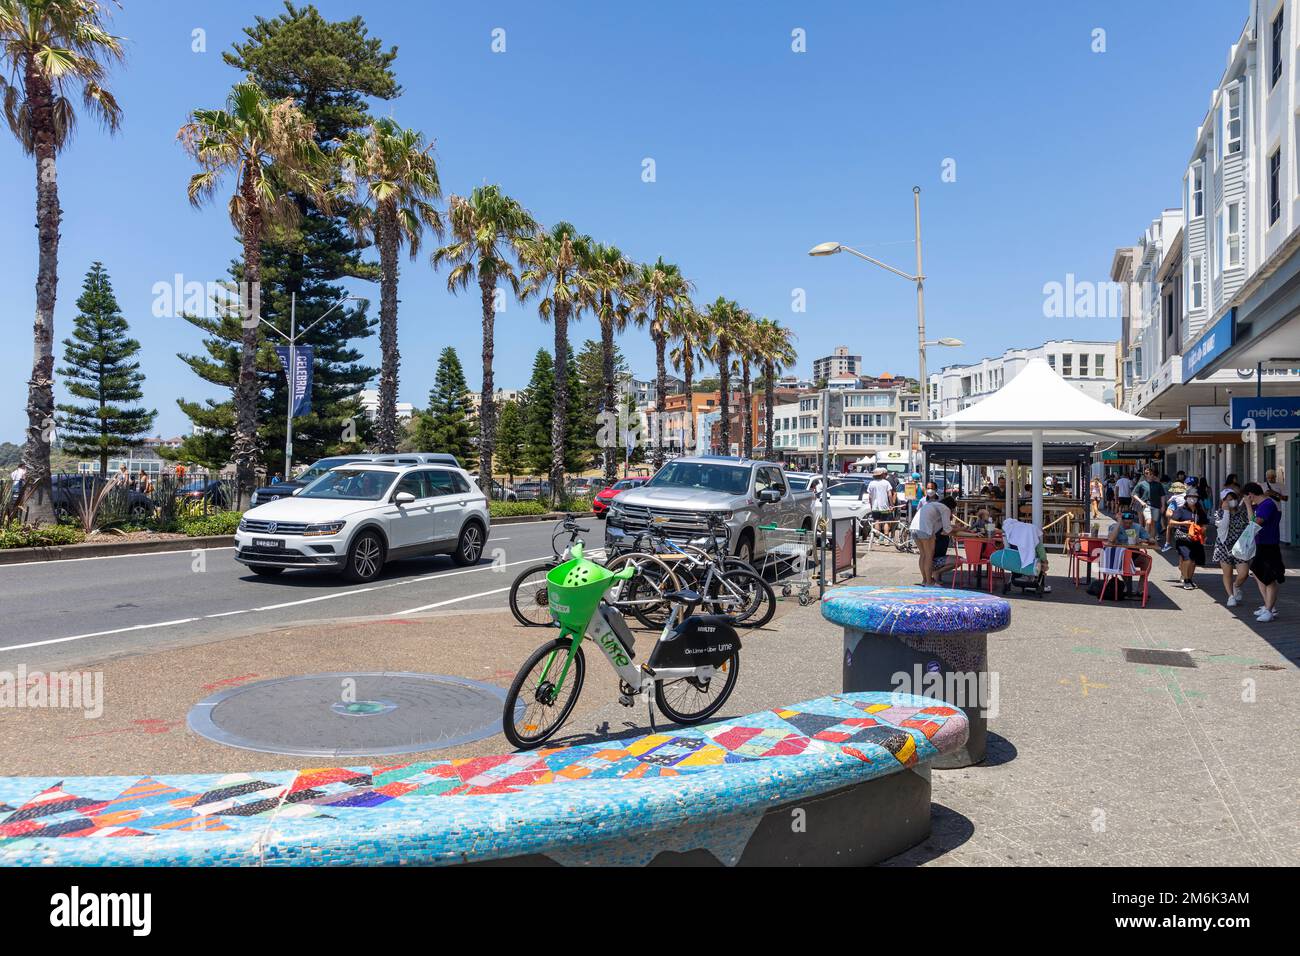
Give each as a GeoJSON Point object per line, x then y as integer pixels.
{"type": "Point", "coordinates": [788, 555]}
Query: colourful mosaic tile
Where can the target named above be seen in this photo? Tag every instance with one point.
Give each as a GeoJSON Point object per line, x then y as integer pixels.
{"type": "Point", "coordinates": [478, 807]}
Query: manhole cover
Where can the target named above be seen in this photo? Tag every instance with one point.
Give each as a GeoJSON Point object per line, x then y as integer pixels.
{"type": "Point", "coordinates": [344, 714]}
{"type": "Point", "coordinates": [1158, 656]}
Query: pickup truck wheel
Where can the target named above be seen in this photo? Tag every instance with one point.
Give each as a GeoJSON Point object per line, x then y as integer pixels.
{"type": "Point", "coordinates": [470, 546]}
{"type": "Point", "coordinates": [365, 558]}
{"type": "Point", "coordinates": [745, 550]}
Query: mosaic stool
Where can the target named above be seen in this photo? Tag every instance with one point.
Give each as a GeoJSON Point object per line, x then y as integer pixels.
{"type": "Point", "coordinates": [927, 641]}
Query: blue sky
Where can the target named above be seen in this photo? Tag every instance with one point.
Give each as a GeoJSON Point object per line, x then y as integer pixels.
{"type": "Point", "coordinates": [760, 152]}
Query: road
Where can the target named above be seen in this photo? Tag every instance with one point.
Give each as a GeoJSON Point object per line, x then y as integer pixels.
{"type": "Point", "coordinates": [68, 611]}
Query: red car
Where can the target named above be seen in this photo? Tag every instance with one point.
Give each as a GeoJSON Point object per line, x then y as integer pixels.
{"type": "Point", "coordinates": [600, 504]}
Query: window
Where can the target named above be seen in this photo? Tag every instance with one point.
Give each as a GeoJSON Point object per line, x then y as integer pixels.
{"type": "Point", "coordinates": [1232, 235]}
{"type": "Point", "coordinates": [1196, 286]}
{"type": "Point", "coordinates": [1083, 366]}
{"type": "Point", "coordinates": [1196, 198]}
{"type": "Point", "coordinates": [1232, 120]}
{"type": "Point", "coordinates": [1067, 365]}
{"type": "Point", "coordinates": [440, 483]}
{"type": "Point", "coordinates": [1275, 186]}
{"type": "Point", "coordinates": [1051, 361]}
{"type": "Point", "coordinates": [1099, 364]}
{"type": "Point", "coordinates": [1275, 50]}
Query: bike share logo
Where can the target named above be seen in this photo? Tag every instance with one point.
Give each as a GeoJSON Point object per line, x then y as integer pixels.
{"type": "Point", "coordinates": [559, 608]}
{"type": "Point", "coordinates": [614, 649]}
{"type": "Point", "coordinates": [969, 690]}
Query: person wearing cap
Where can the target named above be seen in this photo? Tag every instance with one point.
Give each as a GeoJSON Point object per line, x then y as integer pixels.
{"type": "Point", "coordinates": [880, 494]}
{"type": "Point", "coordinates": [1267, 565]}
{"type": "Point", "coordinates": [1174, 501]}
{"type": "Point", "coordinates": [1188, 522]}
{"type": "Point", "coordinates": [1128, 533]}
{"type": "Point", "coordinates": [1230, 521]}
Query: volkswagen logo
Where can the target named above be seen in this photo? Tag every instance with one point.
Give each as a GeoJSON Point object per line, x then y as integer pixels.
{"type": "Point", "coordinates": [270, 527]}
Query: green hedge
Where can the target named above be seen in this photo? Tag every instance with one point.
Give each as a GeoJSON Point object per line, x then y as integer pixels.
{"type": "Point", "coordinates": [510, 509]}
{"type": "Point", "coordinates": [20, 536]}
{"type": "Point", "coordinates": [216, 523]}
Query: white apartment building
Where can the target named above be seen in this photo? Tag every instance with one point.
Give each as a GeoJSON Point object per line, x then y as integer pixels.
{"type": "Point", "coordinates": [875, 420]}
{"type": "Point", "coordinates": [1089, 366]}
{"type": "Point", "coordinates": [1228, 321]}
{"type": "Point", "coordinates": [369, 399]}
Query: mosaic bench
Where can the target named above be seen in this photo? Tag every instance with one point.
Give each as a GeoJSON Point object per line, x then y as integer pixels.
{"type": "Point", "coordinates": [838, 780]}
{"type": "Point", "coordinates": [930, 641]}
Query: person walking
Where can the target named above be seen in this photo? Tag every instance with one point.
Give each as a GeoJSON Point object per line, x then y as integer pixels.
{"type": "Point", "coordinates": [1267, 565]}
{"type": "Point", "coordinates": [1123, 490]}
{"type": "Point", "coordinates": [880, 494]}
{"type": "Point", "coordinates": [1230, 521]}
{"type": "Point", "coordinates": [1188, 523]}
{"type": "Point", "coordinates": [931, 526]}
{"type": "Point", "coordinates": [1149, 495]}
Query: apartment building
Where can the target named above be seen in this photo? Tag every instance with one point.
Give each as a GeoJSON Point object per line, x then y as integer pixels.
{"type": "Point", "coordinates": [874, 420]}
{"type": "Point", "coordinates": [1089, 366]}
{"type": "Point", "coordinates": [838, 363]}
{"type": "Point", "coordinates": [1225, 337]}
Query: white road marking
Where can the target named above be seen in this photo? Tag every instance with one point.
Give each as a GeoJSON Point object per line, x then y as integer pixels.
{"type": "Point", "coordinates": [79, 637]}
{"type": "Point", "coordinates": [275, 607]}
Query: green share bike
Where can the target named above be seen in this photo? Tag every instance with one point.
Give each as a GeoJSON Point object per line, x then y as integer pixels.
{"type": "Point", "coordinates": [692, 668]}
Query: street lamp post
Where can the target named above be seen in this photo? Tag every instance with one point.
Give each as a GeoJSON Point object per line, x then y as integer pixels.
{"type": "Point", "coordinates": [831, 248]}
{"type": "Point", "coordinates": [291, 369]}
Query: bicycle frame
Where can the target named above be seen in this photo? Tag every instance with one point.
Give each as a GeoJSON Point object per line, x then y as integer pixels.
{"type": "Point", "coordinates": [638, 677]}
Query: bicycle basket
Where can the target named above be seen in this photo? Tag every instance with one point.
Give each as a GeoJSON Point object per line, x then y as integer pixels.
{"type": "Point", "coordinates": [575, 589]}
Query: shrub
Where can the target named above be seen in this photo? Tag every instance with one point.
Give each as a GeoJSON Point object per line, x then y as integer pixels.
{"type": "Point", "coordinates": [15, 535]}
{"type": "Point", "coordinates": [215, 523]}
{"type": "Point", "coordinates": [509, 509]}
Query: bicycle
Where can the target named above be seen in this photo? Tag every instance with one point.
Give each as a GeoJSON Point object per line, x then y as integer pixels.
{"type": "Point", "coordinates": [528, 598]}
{"type": "Point", "coordinates": [692, 668]}
{"type": "Point", "coordinates": [726, 585]}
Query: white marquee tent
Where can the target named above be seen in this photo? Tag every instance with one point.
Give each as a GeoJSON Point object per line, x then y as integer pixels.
{"type": "Point", "coordinates": [1039, 405]}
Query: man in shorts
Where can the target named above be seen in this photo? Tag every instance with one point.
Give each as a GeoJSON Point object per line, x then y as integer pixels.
{"type": "Point", "coordinates": [881, 496]}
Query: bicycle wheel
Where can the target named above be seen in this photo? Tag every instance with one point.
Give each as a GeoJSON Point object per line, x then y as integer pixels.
{"type": "Point", "coordinates": [530, 601]}
{"type": "Point", "coordinates": [642, 596]}
{"type": "Point", "coordinates": [544, 708]}
{"type": "Point", "coordinates": [691, 700]}
{"type": "Point", "coordinates": [743, 596]}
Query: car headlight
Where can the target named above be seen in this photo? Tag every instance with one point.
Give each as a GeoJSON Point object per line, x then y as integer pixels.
{"type": "Point", "coordinates": [243, 525]}
{"type": "Point", "coordinates": [325, 528]}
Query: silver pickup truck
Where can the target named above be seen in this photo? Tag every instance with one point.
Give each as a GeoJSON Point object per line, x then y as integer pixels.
{"type": "Point", "coordinates": [682, 495]}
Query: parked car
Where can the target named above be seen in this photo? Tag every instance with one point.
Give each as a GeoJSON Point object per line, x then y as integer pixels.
{"type": "Point", "coordinates": [848, 499]}
{"type": "Point", "coordinates": [355, 518]}
{"type": "Point", "coordinates": [600, 503]}
{"type": "Point", "coordinates": [285, 489]}
{"type": "Point", "coordinates": [71, 493]}
{"type": "Point", "coordinates": [686, 492]}
{"type": "Point", "coordinates": [499, 492]}
{"type": "Point", "coordinates": [212, 492]}
{"type": "Point", "coordinates": [532, 490]}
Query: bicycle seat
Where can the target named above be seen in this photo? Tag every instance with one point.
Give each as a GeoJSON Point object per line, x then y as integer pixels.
{"type": "Point", "coordinates": [683, 596]}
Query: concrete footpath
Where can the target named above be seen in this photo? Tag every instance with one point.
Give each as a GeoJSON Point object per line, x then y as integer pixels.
{"type": "Point", "coordinates": [1094, 759]}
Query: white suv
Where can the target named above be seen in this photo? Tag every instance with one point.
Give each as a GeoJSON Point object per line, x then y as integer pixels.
{"type": "Point", "coordinates": [357, 516]}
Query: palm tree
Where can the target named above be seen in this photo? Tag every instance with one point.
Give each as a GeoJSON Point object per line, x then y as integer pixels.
{"type": "Point", "coordinates": [690, 330]}
{"type": "Point", "coordinates": [723, 317]}
{"type": "Point", "coordinates": [49, 48]}
{"type": "Point", "coordinates": [553, 271]}
{"type": "Point", "coordinates": [745, 348]}
{"type": "Point", "coordinates": [612, 276]}
{"type": "Point", "coordinates": [269, 147]}
{"type": "Point", "coordinates": [395, 179]}
{"type": "Point", "coordinates": [486, 229]}
{"type": "Point", "coordinates": [774, 350]}
{"type": "Point", "coordinates": [660, 287]}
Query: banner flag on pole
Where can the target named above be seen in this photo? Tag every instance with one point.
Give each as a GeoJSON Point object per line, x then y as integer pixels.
{"type": "Point", "coordinates": [297, 374]}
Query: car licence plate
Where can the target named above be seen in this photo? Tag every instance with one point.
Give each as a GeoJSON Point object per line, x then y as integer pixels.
{"type": "Point", "coordinates": [267, 543]}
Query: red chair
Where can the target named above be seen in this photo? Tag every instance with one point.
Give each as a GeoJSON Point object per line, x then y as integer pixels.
{"type": "Point", "coordinates": [1086, 551]}
{"type": "Point", "coordinates": [1129, 568]}
{"type": "Point", "coordinates": [975, 555]}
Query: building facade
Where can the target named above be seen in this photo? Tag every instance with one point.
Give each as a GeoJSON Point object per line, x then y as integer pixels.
{"type": "Point", "coordinates": [874, 420]}
{"type": "Point", "coordinates": [839, 362]}
{"type": "Point", "coordinates": [1089, 366]}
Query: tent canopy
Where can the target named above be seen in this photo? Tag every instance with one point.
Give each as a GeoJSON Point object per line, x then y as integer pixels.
{"type": "Point", "coordinates": [1038, 402]}
{"type": "Point", "coordinates": [998, 453]}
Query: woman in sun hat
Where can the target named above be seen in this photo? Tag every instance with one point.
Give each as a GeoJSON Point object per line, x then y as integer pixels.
{"type": "Point", "coordinates": [1177, 491]}
{"type": "Point", "coordinates": [1230, 521]}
